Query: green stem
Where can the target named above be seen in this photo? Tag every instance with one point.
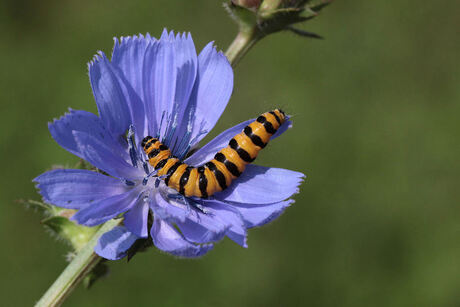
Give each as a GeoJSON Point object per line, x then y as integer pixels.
{"type": "Point", "coordinates": [81, 265]}
{"type": "Point", "coordinates": [245, 39]}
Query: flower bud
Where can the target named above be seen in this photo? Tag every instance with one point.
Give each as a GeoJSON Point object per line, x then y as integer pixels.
{"type": "Point", "coordinates": [250, 4]}
{"type": "Point", "coordinates": [269, 16]}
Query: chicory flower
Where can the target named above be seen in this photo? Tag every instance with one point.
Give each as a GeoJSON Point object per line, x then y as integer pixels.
{"type": "Point", "coordinates": [159, 87]}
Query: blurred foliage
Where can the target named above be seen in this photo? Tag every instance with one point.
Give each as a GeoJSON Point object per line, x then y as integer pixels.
{"type": "Point", "coordinates": [376, 130]}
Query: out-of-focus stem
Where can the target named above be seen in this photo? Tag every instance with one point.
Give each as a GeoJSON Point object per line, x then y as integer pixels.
{"type": "Point", "coordinates": [81, 265]}
{"type": "Point", "coordinates": [245, 39]}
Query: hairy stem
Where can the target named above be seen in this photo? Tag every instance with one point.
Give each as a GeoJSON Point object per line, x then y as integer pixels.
{"type": "Point", "coordinates": [81, 265]}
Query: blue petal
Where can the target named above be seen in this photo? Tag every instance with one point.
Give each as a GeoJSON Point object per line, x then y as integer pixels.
{"type": "Point", "coordinates": [208, 151]}
{"type": "Point", "coordinates": [196, 226]}
{"type": "Point", "coordinates": [168, 239]}
{"type": "Point", "coordinates": [136, 219]}
{"type": "Point", "coordinates": [186, 62]}
{"type": "Point", "coordinates": [168, 210]}
{"type": "Point", "coordinates": [128, 55]}
{"type": "Point", "coordinates": [114, 244]}
{"type": "Point", "coordinates": [230, 216]}
{"type": "Point", "coordinates": [106, 209]}
{"type": "Point", "coordinates": [212, 91]}
{"type": "Point", "coordinates": [62, 130]}
{"type": "Point", "coordinates": [159, 80]}
{"type": "Point", "coordinates": [169, 75]}
{"type": "Point", "coordinates": [199, 231]}
{"type": "Point", "coordinates": [71, 188]}
{"type": "Point", "coordinates": [135, 104]}
{"type": "Point", "coordinates": [103, 157]}
{"type": "Point", "coordinates": [110, 99]}
{"type": "Point", "coordinates": [255, 215]}
{"type": "Point", "coordinates": [283, 128]}
{"type": "Point", "coordinates": [262, 185]}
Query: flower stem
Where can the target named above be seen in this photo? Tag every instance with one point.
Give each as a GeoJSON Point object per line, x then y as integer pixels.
{"type": "Point", "coordinates": [245, 39]}
{"type": "Point", "coordinates": [81, 265]}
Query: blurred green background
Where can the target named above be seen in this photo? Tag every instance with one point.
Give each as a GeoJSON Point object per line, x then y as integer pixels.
{"type": "Point", "coordinates": [376, 130]}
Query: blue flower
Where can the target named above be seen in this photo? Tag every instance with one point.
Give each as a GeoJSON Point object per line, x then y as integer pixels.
{"type": "Point", "coordinates": [159, 87]}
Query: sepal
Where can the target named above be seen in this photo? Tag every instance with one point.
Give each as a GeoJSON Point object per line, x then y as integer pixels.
{"type": "Point", "coordinates": [76, 235]}
{"type": "Point", "coordinates": [244, 17]}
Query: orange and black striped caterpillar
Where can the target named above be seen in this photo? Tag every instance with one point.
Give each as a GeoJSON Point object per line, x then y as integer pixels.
{"type": "Point", "coordinates": [228, 164]}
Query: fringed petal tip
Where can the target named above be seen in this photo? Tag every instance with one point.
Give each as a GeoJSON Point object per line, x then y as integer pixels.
{"type": "Point", "coordinates": [259, 215]}
{"type": "Point", "coordinates": [125, 40]}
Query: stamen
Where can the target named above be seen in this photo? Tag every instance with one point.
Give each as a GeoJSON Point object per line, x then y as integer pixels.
{"type": "Point", "coordinates": [128, 182]}
{"type": "Point", "coordinates": [132, 148]}
{"type": "Point", "coordinates": [146, 167]}
{"type": "Point", "coordinates": [146, 178]}
{"type": "Point", "coordinates": [193, 141]}
{"type": "Point", "coordinates": [170, 130]}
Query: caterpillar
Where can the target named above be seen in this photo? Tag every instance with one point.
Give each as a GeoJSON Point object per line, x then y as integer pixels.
{"type": "Point", "coordinates": [228, 164]}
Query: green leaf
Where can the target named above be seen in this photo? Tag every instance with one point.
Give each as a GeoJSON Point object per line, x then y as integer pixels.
{"type": "Point", "coordinates": [304, 33]}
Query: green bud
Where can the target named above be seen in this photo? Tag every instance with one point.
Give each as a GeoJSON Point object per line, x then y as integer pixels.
{"type": "Point", "coordinates": [270, 16]}
{"type": "Point", "coordinates": [249, 4]}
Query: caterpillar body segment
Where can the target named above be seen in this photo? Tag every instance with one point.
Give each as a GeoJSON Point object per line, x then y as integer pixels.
{"type": "Point", "coordinates": [227, 165]}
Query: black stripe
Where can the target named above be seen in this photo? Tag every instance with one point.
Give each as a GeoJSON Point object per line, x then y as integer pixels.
{"type": "Point", "coordinates": [220, 157]}
{"type": "Point", "coordinates": [154, 153]}
{"type": "Point", "coordinates": [219, 175]}
{"type": "Point", "coordinates": [231, 167]}
{"type": "Point", "coordinates": [161, 163]}
{"type": "Point", "coordinates": [145, 140]}
{"type": "Point", "coordinates": [163, 147]}
{"type": "Point", "coordinates": [184, 179]}
{"type": "Point", "coordinates": [233, 144]}
{"type": "Point", "coordinates": [171, 171]}
{"type": "Point", "coordinates": [203, 182]}
{"type": "Point", "coordinates": [244, 155]}
{"type": "Point", "coordinates": [261, 119]}
{"type": "Point", "coordinates": [276, 117]}
{"type": "Point", "coordinates": [269, 127]}
{"type": "Point", "coordinates": [256, 140]}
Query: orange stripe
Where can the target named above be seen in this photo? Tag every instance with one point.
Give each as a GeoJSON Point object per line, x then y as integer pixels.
{"type": "Point", "coordinates": [175, 178]}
